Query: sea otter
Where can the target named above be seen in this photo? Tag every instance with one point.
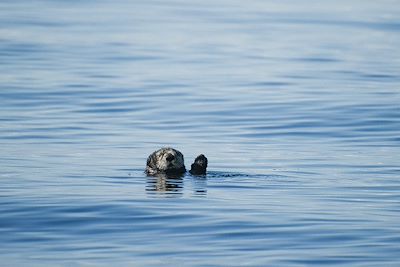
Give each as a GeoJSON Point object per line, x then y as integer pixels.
{"type": "Point", "coordinates": [170, 161]}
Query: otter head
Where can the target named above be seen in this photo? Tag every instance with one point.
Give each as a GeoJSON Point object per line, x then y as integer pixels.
{"type": "Point", "coordinates": [165, 161]}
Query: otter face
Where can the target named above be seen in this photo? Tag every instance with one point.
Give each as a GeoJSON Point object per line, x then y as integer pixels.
{"type": "Point", "coordinates": [165, 160]}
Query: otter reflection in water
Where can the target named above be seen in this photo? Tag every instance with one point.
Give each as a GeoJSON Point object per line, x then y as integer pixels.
{"type": "Point", "coordinates": [163, 185]}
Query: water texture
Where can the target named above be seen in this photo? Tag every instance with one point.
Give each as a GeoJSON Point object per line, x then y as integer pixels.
{"type": "Point", "coordinates": [296, 104]}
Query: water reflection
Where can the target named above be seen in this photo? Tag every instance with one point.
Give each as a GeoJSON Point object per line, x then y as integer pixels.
{"type": "Point", "coordinates": [173, 186]}
{"type": "Point", "coordinates": [163, 184]}
{"type": "Point", "coordinates": [199, 185]}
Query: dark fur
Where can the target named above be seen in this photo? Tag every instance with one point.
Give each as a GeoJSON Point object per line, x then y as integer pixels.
{"type": "Point", "coordinates": [199, 167]}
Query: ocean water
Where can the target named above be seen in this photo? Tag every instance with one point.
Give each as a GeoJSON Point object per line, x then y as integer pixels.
{"type": "Point", "coordinates": [296, 104]}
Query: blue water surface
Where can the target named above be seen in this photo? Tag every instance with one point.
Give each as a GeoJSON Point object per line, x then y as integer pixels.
{"type": "Point", "coordinates": [296, 104]}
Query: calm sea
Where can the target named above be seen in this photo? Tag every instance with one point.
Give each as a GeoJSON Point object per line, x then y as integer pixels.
{"type": "Point", "coordinates": [296, 104]}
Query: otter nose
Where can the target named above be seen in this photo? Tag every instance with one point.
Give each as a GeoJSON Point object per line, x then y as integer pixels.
{"type": "Point", "coordinates": [170, 157]}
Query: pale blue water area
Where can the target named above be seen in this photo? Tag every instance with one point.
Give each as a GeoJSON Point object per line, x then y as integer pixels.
{"type": "Point", "coordinates": [296, 104]}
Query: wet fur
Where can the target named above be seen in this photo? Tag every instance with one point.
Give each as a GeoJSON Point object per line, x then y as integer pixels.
{"type": "Point", "coordinates": [171, 162]}
{"type": "Point", "coordinates": [199, 166]}
{"type": "Point", "coordinates": [157, 162]}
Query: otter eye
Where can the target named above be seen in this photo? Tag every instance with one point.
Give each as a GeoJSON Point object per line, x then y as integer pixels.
{"type": "Point", "coordinates": [170, 157]}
